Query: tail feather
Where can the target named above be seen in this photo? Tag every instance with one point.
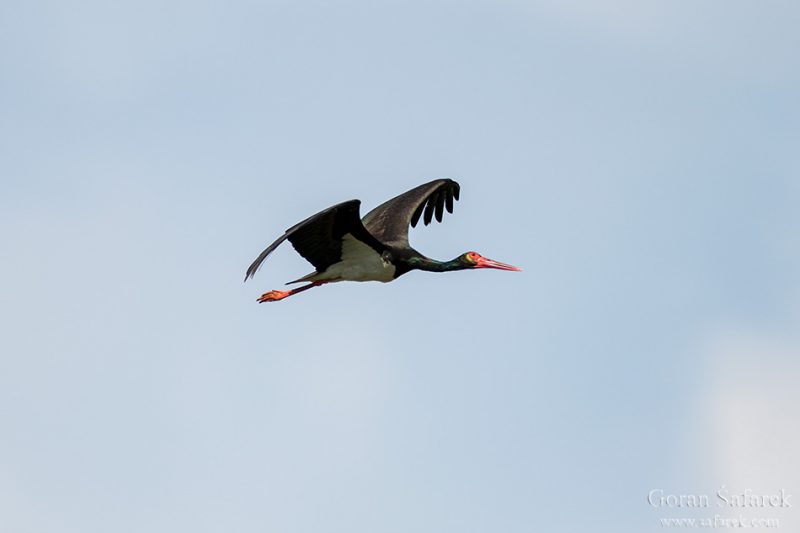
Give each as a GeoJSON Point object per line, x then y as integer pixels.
{"type": "Point", "coordinates": [308, 277]}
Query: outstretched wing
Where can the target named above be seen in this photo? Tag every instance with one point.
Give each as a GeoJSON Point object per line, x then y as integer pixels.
{"type": "Point", "coordinates": [389, 221]}
{"type": "Point", "coordinates": [319, 237]}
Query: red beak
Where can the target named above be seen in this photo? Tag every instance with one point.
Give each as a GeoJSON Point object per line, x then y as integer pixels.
{"type": "Point", "coordinates": [489, 263]}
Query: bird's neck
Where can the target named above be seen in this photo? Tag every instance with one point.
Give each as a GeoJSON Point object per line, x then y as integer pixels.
{"type": "Point", "coordinates": [432, 265]}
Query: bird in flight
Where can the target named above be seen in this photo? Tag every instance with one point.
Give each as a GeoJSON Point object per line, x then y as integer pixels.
{"type": "Point", "coordinates": [342, 246]}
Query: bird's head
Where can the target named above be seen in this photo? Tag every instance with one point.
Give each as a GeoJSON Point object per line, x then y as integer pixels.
{"type": "Point", "coordinates": [476, 260]}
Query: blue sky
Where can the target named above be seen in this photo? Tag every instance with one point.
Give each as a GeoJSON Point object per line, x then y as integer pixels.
{"type": "Point", "coordinates": [638, 160]}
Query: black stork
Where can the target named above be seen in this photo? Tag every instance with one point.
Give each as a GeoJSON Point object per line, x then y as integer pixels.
{"type": "Point", "coordinates": [342, 246]}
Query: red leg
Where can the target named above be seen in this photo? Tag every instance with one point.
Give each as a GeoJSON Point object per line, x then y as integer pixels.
{"type": "Point", "coordinates": [274, 296]}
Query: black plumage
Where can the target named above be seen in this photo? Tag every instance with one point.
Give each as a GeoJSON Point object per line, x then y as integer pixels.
{"type": "Point", "coordinates": [384, 229]}
{"type": "Point", "coordinates": [389, 221]}
{"type": "Point", "coordinates": [344, 247]}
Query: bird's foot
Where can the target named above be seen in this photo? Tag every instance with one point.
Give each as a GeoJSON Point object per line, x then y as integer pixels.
{"type": "Point", "coordinates": [273, 296]}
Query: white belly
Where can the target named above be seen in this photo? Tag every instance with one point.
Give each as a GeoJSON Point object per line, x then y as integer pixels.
{"type": "Point", "coordinates": [359, 263]}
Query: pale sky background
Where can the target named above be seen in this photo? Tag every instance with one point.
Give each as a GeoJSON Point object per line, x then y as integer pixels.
{"type": "Point", "coordinates": [639, 159]}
